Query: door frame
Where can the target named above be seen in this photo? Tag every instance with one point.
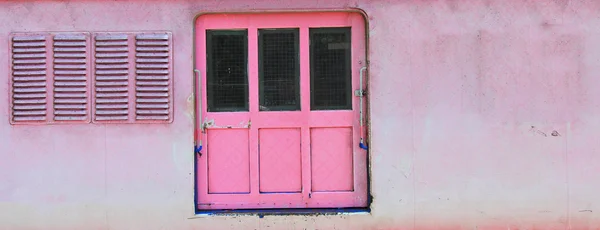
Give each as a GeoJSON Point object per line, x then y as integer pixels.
{"type": "Point", "coordinates": [199, 93]}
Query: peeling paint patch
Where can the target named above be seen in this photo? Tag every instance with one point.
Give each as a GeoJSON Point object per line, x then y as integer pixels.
{"type": "Point", "coordinates": [190, 109]}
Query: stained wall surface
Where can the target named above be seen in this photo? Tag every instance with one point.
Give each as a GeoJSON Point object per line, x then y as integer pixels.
{"type": "Point", "coordinates": [483, 115]}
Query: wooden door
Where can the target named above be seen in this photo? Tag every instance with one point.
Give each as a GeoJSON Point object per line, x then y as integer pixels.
{"type": "Point", "coordinates": [280, 124]}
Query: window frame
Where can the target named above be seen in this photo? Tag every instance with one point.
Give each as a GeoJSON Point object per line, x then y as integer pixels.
{"type": "Point", "coordinates": [347, 31]}
{"type": "Point", "coordinates": [209, 62]}
{"type": "Point", "coordinates": [261, 72]}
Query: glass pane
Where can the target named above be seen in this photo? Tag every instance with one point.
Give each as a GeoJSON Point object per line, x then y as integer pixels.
{"type": "Point", "coordinates": [227, 68]}
{"type": "Point", "coordinates": [330, 79]}
{"type": "Point", "coordinates": [279, 70]}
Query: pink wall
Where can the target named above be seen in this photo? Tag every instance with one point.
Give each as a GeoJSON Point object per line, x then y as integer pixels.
{"type": "Point", "coordinates": [465, 96]}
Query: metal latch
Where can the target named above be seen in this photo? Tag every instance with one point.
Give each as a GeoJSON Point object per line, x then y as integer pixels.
{"type": "Point", "coordinates": [360, 93]}
{"type": "Point", "coordinates": [206, 124]}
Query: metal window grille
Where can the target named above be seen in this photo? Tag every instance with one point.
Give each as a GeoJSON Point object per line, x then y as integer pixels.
{"type": "Point", "coordinates": [330, 69]}
{"type": "Point", "coordinates": [279, 70]}
{"type": "Point", "coordinates": [227, 72]}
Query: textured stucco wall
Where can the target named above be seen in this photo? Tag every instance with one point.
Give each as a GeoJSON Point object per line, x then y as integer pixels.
{"type": "Point", "coordinates": [484, 116]}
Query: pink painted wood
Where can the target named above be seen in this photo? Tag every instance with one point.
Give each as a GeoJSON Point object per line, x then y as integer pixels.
{"type": "Point", "coordinates": [280, 160]}
{"type": "Point", "coordinates": [228, 171]}
{"type": "Point", "coordinates": [306, 159]}
{"type": "Point", "coordinates": [331, 159]}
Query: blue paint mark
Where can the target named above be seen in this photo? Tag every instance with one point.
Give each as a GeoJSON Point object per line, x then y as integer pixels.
{"type": "Point", "coordinates": [363, 146]}
{"type": "Point", "coordinates": [197, 149]}
{"type": "Point", "coordinates": [261, 213]}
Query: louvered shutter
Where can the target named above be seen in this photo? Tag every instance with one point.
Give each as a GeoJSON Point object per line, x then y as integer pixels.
{"type": "Point", "coordinates": [153, 77]}
{"type": "Point", "coordinates": [49, 82]}
{"type": "Point", "coordinates": [71, 77]}
{"type": "Point", "coordinates": [112, 77]}
{"type": "Point", "coordinates": [29, 58]}
{"type": "Point", "coordinates": [132, 77]}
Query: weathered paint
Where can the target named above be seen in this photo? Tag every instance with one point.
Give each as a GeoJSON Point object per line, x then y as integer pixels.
{"type": "Point", "coordinates": [483, 115]}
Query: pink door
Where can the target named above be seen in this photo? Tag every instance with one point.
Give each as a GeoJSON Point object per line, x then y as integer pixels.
{"type": "Point", "coordinates": [280, 123]}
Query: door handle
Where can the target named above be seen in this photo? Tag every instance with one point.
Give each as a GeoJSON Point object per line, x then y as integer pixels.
{"type": "Point", "coordinates": [361, 93]}
{"type": "Point", "coordinates": [198, 104]}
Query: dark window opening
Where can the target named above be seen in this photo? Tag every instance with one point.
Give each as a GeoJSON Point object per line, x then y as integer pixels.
{"type": "Point", "coordinates": [227, 72]}
{"type": "Point", "coordinates": [330, 77]}
{"type": "Point", "coordinates": [279, 69]}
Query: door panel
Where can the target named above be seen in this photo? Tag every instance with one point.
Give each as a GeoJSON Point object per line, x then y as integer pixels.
{"type": "Point", "coordinates": [331, 154]}
{"type": "Point", "coordinates": [228, 161]}
{"type": "Point", "coordinates": [280, 160]}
